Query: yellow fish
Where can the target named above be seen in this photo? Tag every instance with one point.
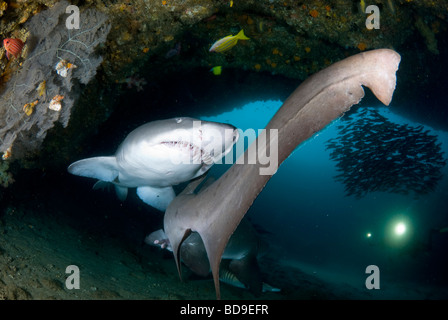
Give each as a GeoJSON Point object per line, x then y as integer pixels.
{"type": "Point", "coordinates": [228, 42]}
{"type": "Point", "coordinates": [216, 70]}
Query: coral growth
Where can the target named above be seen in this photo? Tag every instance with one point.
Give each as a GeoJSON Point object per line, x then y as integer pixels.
{"type": "Point", "coordinates": [290, 38]}
{"type": "Point", "coordinates": [5, 176]}
{"type": "Point", "coordinates": [428, 35]}
{"type": "Point", "coordinates": [50, 42]}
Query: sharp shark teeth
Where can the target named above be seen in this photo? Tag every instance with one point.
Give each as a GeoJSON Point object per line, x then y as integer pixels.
{"type": "Point", "coordinates": [196, 153]}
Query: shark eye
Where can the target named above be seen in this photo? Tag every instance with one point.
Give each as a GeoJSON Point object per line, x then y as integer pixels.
{"type": "Point", "coordinates": [178, 120]}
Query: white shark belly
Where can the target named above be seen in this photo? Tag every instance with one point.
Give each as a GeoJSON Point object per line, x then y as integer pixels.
{"type": "Point", "coordinates": [142, 164]}
{"type": "Point", "coordinates": [133, 177]}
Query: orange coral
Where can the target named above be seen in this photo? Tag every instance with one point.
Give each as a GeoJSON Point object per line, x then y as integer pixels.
{"type": "Point", "coordinates": [257, 67]}
{"type": "Point", "coordinates": [308, 49]}
{"type": "Point", "coordinates": [314, 13]}
{"type": "Point", "coordinates": [362, 46]}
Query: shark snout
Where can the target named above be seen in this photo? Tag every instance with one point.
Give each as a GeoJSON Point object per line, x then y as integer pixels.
{"type": "Point", "coordinates": [218, 139]}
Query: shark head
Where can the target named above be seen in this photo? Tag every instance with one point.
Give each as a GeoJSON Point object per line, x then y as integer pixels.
{"type": "Point", "coordinates": [179, 141]}
{"type": "Point", "coordinates": [173, 150]}
{"type": "Point", "coordinates": [216, 139]}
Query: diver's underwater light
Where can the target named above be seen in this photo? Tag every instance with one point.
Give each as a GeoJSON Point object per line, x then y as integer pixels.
{"type": "Point", "coordinates": [399, 232]}
{"type": "Point", "coordinates": [400, 228]}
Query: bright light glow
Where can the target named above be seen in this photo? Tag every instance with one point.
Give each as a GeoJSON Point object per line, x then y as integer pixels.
{"type": "Point", "coordinates": [368, 235]}
{"type": "Point", "coordinates": [400, 228]}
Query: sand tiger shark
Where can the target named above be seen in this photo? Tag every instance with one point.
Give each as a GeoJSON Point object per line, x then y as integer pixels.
{"type": "Point", "coordinates": [160, 154]}
{"type": "Point", "coordinates": [216, 211]}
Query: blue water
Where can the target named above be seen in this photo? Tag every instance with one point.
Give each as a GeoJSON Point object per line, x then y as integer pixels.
{"type": "Point", "coordinates": [315, 227]}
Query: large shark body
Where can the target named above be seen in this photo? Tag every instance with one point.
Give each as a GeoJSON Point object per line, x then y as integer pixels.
{"type": "Point", "coordinates": [216, 211]}
{"type": "Point", "coordinates": [158, 155]}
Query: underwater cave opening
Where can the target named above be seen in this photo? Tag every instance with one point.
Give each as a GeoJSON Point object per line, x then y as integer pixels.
{"type": "Point", "coordinates": [307, 219]}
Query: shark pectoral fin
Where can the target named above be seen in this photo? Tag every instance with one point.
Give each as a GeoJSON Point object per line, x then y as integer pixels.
{"type": "Point", "coordinates": [248, 272]}
{"type": "Point", "coordinates": [101, 168]}
{"type": "Point", "coordinates": [122, 192]}
{"type": "Point", "coordinates": [158, 198]}
{"type": "Point", "coordinates": [192, 186]}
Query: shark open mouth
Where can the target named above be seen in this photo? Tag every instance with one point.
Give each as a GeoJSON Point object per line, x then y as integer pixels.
{"type": "Point", "coordinates": [194, 151]}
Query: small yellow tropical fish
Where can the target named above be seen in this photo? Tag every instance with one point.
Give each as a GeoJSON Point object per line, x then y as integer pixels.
{"type": "Point", "coordinates": [231, 3]}
{"type": "Point", "coordinates": [228, 42]}
{"type": "Point", "coordinates": [216, 70]}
